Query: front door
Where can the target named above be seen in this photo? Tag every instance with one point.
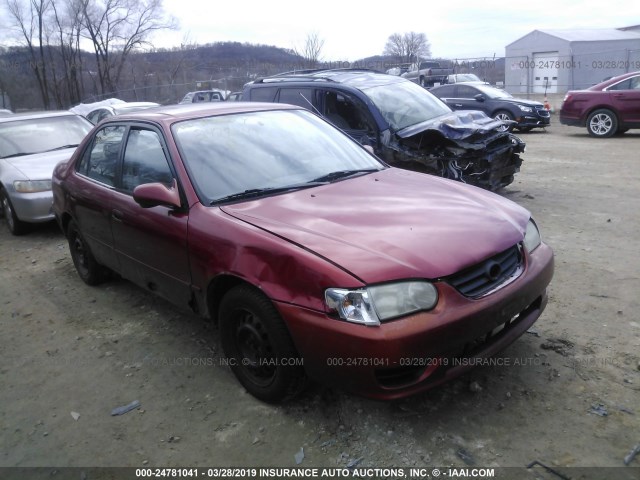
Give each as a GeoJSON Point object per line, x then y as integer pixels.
{"type": "Point", "coordinates": [151, 243]}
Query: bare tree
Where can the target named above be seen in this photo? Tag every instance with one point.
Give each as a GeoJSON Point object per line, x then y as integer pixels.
{"type": "Point", "coordinates": [311, 50]}
{"type": "Point", "coordinates": [408, 47]}
{"type": "Point", "coordinates": [117, 28]}
{"type": "Point", "coordinates": [67, 27]}
{"type": "Point", "coordinates": [29, 19]}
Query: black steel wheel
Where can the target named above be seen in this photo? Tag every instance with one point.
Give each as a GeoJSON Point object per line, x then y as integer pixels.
{"type": "Point", "coordinates": [89, 270]}
{"type": "Point", "coordinates": [14, 224]}
{"type": "Point", "coordinates": [258, 345]}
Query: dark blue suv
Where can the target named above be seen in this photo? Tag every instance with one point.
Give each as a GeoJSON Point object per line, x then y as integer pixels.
{"type": "Point", "coordinates": [407, 126]}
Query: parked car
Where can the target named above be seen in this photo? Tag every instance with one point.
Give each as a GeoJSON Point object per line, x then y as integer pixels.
{"type": "Point", "coordinates": [234, 97]}
{"type": "Point", "coordinates": [315, 258]}
{"type": "Point", "coordinates": [607, 108]}
{"type": "Point", "coordinates": [464, 78]}
{"type": "Point", "coordinates": [203, 96]}
{"type": "Point", "coordinates": [98, 114]}
{"type": "Point", "coordinates": [406, 125]}
{"type": "Point", "coordinates": [30, 147]}
{"type": "Point", "coordinates": [514, 112]}
{"type": "Point", "coordinates": [398, 70]}
{"type": "Point", "coordinates": [427, 73]}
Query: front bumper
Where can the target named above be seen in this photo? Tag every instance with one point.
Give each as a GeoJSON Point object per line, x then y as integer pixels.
{"type": "Point", "coordinates": [418, 352]}
{"type": "Point", "coordinates": [533, 121]}
{"type": "Point", "coordinates": [33, 207]}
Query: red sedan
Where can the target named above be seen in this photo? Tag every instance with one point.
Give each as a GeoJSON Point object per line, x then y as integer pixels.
{"type": "Point", "coordinates": [607, 108]}
{"type": "Point", "coordinates": [315, 258]}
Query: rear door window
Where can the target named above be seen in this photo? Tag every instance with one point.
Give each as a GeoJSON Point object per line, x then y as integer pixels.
{"type": "Point", "coordinates": [100, 160]}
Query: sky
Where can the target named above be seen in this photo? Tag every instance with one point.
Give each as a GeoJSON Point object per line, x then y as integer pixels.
{"type": "Point", "coordinates": [353, 30]}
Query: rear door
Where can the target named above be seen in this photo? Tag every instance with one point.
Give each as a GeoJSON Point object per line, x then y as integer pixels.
{"type": "Point", "coordinates": [93, 188]}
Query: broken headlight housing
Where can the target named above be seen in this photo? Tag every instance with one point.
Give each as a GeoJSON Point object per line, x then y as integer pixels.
{"type": "Point", "coordinates": [373, 305]}
{"type": "Point", "coordinates": [532, 236]}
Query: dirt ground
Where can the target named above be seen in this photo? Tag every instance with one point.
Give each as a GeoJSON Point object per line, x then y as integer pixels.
{"type": "Point", "coordinates": [566, 394]}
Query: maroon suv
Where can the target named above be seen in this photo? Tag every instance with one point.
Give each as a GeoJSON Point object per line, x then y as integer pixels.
{"type": "Point", "coordinates": [315, 258]}
{"type": "Point", "coordinates": [607, 108]}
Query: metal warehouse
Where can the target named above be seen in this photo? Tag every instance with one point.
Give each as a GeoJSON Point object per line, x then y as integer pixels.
{"type": "Point", "coordinates": [555, 61]}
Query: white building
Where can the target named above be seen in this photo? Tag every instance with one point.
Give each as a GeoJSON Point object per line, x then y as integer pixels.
{"type": "Point", "coordinates": [555, 61]}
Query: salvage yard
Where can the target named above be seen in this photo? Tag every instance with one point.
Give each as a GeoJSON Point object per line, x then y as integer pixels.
{"type": "Point", "coordinates": [565, 394]}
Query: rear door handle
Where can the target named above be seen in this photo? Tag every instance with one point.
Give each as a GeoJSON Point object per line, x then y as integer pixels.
{"type": "Point", "coordinates": [117, 215]}
{"type": "Point", "coordinates": [457, 105]}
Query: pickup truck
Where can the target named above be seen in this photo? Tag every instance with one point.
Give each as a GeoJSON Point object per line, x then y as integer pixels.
{"type": "Point", "coordinates": [427, 73]}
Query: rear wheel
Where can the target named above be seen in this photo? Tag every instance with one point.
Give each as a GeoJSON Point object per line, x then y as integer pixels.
{"type": "Point", "coordinates": [506, 117]}
{"type": "Point", "coordinates": [14, 224]}
{"type": "Point", "coordinates": [602, 123]}
{"type": "Point", "coordinates": [258, 345]}
{"type": "Point", "coordinates": [89, 270]}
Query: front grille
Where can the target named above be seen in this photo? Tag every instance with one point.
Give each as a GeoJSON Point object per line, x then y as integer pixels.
{"type": "Point", "coordinates": [543, 112]}
{"type": "Point", "coordinates": [489, 274]}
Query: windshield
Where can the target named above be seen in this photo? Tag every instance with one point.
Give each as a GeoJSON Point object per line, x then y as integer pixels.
{"type": "Point", "coordinates": [405, 103]}
{"type": "Point", "coordinates": [493, 92]}
{"type": "Point", "coordinates": [37, 135]}
{"type": "Point", "coordinates": [244, 155]}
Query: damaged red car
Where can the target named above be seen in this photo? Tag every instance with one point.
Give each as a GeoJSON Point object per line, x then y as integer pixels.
{"type": "Point", "coordinates": [315, 258]}
{"type": "Point", "coordinates": [407, 126]}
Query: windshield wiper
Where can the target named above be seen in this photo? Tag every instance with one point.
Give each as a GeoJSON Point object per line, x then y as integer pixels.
{"type": "Point", "coordinates": [63, 147]}
{"type": "Point", "coordinates": [258, 192]}
{"type": "Point", "coordinates": [329, 177]}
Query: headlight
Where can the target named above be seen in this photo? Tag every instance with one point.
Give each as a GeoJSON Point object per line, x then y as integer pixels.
{"type": "Point", "coordinates": [373, 305]}
{"type": "Point", "coordinates": [532, 237]}
{"type": "Point", "coordinates": [525, 109]}
{"type": "Point", "coordinates": [32, 186]}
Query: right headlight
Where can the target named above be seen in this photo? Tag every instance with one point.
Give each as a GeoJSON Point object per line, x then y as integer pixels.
{"type": "Point", "coordinates": [532, 236]}
{"type": "Point", "coordinates": [372, 305]}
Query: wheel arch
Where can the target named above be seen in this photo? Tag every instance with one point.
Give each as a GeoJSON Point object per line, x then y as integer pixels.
{"type": "Point", "coordinates": [217, 289]}
{"type": "Point", "coordinates": [599, 107]}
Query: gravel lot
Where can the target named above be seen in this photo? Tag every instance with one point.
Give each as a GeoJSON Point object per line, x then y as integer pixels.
{"type": "Point", "coordinates": [565, 394]}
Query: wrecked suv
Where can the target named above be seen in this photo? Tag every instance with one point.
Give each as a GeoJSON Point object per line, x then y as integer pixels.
{"type": "Point", "coordinates": [406, 125]}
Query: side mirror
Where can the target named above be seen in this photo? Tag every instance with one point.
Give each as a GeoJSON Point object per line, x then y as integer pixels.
{"type": "Point", "coordinates": [150, 195]}
{"type": "Point", "coordinates": [479, 97]}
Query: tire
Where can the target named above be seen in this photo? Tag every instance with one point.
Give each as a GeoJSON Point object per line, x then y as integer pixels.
{"type": "Point", "coordinates": [89, 270]}
{"type": "Point", "coordinates": [504, 116]}
{"type": "Point", "coordinates": [423, 83]}
{"type": "Point", "coordinates": [14, 224]}
{"type": "Point", "coordinates": [602, 123]}
{"type": "Point", "coordinates": [258, 345]}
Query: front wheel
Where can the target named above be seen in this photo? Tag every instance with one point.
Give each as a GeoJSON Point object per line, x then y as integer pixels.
{"type": "Point", "coordinates": [506, 118]}
{"type": "Point", "coordinates": [89, 270]}
{"type": "Point", "coordinates": [602, 123]}
{"type": "Point", "coordinates": [258, 345]}
{"type": "Point", "coordinates": [14, 224]}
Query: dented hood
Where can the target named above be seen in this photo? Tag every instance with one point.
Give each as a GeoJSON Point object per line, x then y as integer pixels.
{"type": "Point", "coordinates": [392, 224]}
{"type": "Point", "coordinates": [457, 125]}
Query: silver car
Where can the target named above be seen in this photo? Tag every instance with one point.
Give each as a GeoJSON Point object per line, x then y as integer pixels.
{"type": "Point", "coordinates": [31, 145]}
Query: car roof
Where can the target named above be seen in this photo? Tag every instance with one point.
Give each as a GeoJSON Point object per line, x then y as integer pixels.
{"type": "Point", "coordinates": [357, 78]}
{"type": "Point", "coordinates": [613, 80]}
{"type": "Point", "coordinates": [35, 115]}
{"type": "Point", "coordinates": [172, 113]}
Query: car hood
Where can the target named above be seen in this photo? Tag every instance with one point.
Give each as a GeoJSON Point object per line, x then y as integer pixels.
{"type": "Point", "coordinates": [524, 101]}
{"type": "Point", "coordinates": [392, 224]}
{"type": "Point", "coordinates": [458, 125]}
{"type": "Point", "coordinates": [39, 166]}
